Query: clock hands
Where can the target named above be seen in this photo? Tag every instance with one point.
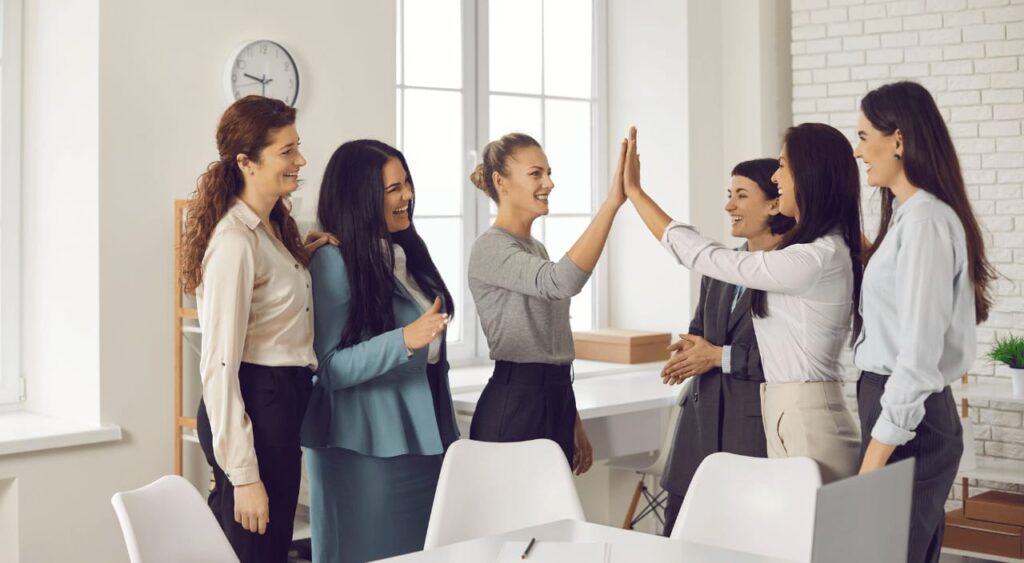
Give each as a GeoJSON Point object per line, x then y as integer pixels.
{"type": "Point", "coordinates": [263, 81]}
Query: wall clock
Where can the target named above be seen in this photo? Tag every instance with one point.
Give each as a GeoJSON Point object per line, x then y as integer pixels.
{"type": "Point", "coordinates": [264, 68]}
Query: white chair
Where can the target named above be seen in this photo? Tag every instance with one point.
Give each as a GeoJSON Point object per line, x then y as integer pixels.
{"type": "Point", "coordinates": [489, 488]}
{"type": "Point", "coordinates": [757, 505]}
{"type": "Point", "coordinates": [167, 521]}
{"type": "Point", "coordinates": [865, 518]}
{"type": "Point", "coordinates": [652, 465]}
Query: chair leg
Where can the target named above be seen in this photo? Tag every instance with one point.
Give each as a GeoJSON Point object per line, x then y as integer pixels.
{"type": "Point", "coordinates": [627, 524]}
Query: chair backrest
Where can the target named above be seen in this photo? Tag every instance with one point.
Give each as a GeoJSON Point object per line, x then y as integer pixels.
{"type": "Point", "coordinates": [757, 505]}
{"type": "Point", "coordinates": [167, 521]}
{"type": "Point", "coordinates": [658, 467]}
{"type": "Point", "coordinates": [866, 517]}
{"type": "Point", "coordinates": [488, 488]}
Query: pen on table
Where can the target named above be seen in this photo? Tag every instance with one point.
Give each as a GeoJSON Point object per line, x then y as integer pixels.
{"type": "Point", "coordinates": [529, 546]}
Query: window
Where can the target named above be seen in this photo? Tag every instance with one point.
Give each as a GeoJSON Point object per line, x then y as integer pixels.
{"type": "Point", "coordinates": [469, 71]}
{"type": "Point", "coordinates": [10, 201]}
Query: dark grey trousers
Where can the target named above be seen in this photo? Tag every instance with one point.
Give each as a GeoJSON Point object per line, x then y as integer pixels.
{"type": "Point", "coordinates": [936, 450]}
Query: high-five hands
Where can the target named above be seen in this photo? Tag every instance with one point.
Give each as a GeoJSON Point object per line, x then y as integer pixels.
{"type": "Point", "coordinates": [691, 355]}
{"type": "Point", "coordinates": [423, 330]}
{"type": "Point", "coordinates": [631, 170]}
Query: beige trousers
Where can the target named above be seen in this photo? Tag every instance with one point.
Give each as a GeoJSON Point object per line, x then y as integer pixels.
{"type": "Point", "coordinates": [812, 420]}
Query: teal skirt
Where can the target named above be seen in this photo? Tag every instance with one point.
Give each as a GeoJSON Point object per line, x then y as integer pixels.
{"type": "Point", "coordinates": [364, 508]}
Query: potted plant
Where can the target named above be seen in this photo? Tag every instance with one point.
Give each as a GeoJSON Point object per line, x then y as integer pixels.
{"type": "Point", "coordinates": [1010, 351]}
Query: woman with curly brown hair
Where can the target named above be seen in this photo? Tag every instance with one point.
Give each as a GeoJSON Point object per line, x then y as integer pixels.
{"type": "Point", "coordinates": [243, 258]}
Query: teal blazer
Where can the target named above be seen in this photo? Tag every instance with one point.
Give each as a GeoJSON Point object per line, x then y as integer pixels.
{"type": "Point", "coordinates": [372, 397]}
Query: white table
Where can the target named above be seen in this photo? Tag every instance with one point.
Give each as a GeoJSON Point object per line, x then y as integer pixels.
{"type": "Point", "coordinates": [622, 412]}
{"type": "Point", "coordinates": [627, 546]}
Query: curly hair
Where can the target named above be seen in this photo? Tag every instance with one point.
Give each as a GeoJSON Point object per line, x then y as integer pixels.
{"type": "Point", "coordinates": [246, 127]}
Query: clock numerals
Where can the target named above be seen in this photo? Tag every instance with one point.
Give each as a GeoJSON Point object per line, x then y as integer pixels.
{"type": "Point", "coordinates": [255, 71]}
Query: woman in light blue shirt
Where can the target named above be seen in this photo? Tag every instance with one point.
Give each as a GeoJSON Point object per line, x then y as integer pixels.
{"type": "Point", "coordinates": [925, 288]}
{"type": "Point", "coordinates": [380, 415]}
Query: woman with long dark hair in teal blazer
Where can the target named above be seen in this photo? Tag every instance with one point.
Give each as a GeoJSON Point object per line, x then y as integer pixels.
{"type": "Point", "coordinates": [380, 416]}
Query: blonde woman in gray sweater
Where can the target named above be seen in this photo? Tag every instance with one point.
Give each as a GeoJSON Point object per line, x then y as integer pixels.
{"type": "Point", "coordinates": [522, 298]}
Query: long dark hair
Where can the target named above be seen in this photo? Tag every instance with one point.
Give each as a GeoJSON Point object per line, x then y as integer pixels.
{"type": "Point", "coordinates": [245, 128]}
{"type": "Point", "coordinates": [931, 164]}
{"type": "Point", "coordinates": [827, 183]}
{"type": "Point", "coordinates": [352, 208]}
{"type": "Point", "coordinates": [760, 171]}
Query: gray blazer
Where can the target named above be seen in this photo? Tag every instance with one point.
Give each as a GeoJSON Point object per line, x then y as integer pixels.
{"type": "Point", "coordinates": [720, 413]}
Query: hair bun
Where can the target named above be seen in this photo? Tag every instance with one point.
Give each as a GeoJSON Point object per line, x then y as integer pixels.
{"type": "Point", "coordinates": [479, 178]}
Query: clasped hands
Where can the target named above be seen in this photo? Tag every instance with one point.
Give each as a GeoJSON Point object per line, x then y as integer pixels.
{"type": "Point", "coordinates": [691, 355]}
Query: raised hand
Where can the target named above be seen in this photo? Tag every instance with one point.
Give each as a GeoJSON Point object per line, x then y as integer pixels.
{"type": "Point", "coordinates": [423, 330]}
{"type": "Point", "coordinates": [616, 193]}
{"type": "Point", "coordinates": [631, 170]}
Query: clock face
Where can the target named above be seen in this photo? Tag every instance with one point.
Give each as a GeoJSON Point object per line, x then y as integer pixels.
{"type": "Point", "coordinates": [263, 68]}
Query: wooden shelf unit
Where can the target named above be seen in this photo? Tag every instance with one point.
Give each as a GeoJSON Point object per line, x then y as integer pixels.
{"type": "Point", "coordinates": [181, 422]}
{"type": "Point", "coordinates": [1002, 471]}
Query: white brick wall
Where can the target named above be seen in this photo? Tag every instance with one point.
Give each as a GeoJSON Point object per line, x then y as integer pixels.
{"type": "Point", "coordinates": [970, 55]}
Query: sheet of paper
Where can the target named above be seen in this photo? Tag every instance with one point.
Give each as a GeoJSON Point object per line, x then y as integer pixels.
{"type": "Point", "coordinates": [556, 552]}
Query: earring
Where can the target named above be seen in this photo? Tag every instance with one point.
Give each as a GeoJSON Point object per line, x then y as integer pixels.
{"type": "Point", "coordinates": [897, 157]}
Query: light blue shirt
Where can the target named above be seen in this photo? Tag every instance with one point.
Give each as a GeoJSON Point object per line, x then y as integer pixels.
{"type": "Point", "coordinates": [917, 301]}
{"type": "Point", "coordinates": [727, 350]}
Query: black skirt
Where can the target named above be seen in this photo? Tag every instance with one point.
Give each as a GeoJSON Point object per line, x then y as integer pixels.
{"type": "Point", "coordinates": [526, 402]}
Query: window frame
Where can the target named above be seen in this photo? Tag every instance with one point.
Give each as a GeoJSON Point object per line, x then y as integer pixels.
{"type": "Point", "coordinates": [476, 218]}
{"type": "Point", "coordinates": [11, 381]}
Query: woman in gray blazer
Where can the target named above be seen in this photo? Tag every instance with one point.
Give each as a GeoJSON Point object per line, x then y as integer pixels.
{"type": "Point", "coordinates": [721, 410]}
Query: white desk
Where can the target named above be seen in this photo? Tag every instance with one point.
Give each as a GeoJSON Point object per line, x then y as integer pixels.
{"type": "Point", "coordinates": [627, 546]}
{"type": "Point", "coordinates": [622, 413]}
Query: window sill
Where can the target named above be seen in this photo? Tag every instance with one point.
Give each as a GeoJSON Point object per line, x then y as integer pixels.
{"type": "Point", "coordinates": [24, 432]}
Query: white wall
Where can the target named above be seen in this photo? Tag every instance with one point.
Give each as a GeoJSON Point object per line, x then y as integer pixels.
{"type": "Point", "coordinates": [970, 55]}
{"type": "Point", "coordinates": [647, 87]}
{"type": "Point", "coordinates": [707, 84]}
{"type": "Point", "coordinates": [154, 72]}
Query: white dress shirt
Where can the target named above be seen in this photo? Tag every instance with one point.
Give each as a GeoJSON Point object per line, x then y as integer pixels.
{"type": "Point", "coordinates": [407, 281]}
{"type": "Point", "coordinates": [255, 306]}
{"type": "Point", "coordinates": [918, 308]}
{"type": "Point", "coordinates": [810, 297]}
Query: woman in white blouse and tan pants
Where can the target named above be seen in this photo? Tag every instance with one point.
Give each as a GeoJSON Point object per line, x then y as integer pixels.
{"type": "Point", "coordinates": [244, 259]}
{"type": "Point", "coordinates": [804, 292]}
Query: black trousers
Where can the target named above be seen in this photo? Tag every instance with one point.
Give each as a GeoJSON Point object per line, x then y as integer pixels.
{"type": "Point", "coordinates": [672, 506]}
{"type": "Point", "coordinates": [936, 449]}
{"type": "Point", "coordinates": [275, 401]}
{"type": "Point", "coordinates": [526, 402]}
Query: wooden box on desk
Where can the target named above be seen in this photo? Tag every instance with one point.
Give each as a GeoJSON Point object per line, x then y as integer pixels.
{"type": "Point", "coordinates": [983, 537]}
{"type": "Point", "coordinates": [622, 346]}
{"type": "Point", "coordinates": [996, 506]}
